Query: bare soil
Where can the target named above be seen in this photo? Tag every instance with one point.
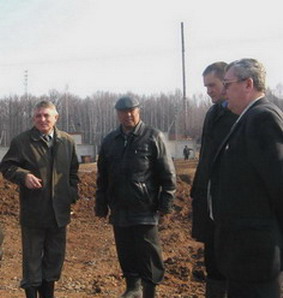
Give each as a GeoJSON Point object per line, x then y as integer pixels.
{"type": "Point", "coordinates": [91, 268]}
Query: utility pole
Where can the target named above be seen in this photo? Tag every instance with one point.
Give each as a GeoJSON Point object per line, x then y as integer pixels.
{"type": "Point", "coordinates": [26, 112]}
{"type": "Point", "coordinates": [185, 112]}
{"type": "Point", "coordinates": [26, 83]}
{"type": "Point", "coordinates": [183, 61]}
{"type": "Point", "coordinates": [67, 106]}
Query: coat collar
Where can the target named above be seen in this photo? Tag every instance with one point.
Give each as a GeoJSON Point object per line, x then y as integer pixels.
{"type": "Point", "coordinates": [138, 129]}
{"type": "Point", "coordinates": [260, 101]}
{"type": "Point", "coordinates": [36, 134]}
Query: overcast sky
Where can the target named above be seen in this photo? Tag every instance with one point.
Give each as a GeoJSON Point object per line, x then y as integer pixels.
{"type": "Point", "coordinates": [131, 45]}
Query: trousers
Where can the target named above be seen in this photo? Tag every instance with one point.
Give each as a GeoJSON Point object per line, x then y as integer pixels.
{"type": "Point", "coordinates": [139, 252]}
{"type": "Point", "coordinates": [269, 289]}
{"type": "Point", "coordinates": [209, 255]}
{"type": "Point", "coordinates": [43, 254]}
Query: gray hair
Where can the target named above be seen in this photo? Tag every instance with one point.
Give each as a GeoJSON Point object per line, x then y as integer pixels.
{"type": "Point", "coordinates": [45, 104]}
{"type": "Point", "coordinates": [249, 68]}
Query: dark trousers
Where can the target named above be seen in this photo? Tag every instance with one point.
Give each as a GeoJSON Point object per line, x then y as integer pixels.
{"type": "Point", "coordinates": [139, 252]}
{"type": "Point", "coordinates": [270, 289]}
{"type": "Point", "coordinates": [209, 255]}
{"type": "Point", "coordinates": [43, 254]}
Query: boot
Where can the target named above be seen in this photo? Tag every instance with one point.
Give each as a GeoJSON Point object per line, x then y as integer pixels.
{"type": "Point", "coordinates": [31, 292]}
{"type": "Point", "coordinates": [46, 290]}
{"type": "Point", "coordinates": [215, 288]}
{"type": "Point", "coordinates": [148, 289]}
{"type": "Point", "coordinates": [133, 288]}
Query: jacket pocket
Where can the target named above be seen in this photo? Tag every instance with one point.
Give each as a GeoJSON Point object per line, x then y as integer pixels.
{"type": "Point", "coordinates": [134, 195]}
{"type": "Point", "coordinates": [145, 195]}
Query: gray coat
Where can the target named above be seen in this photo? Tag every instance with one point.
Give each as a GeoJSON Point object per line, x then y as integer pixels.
{"type": "Point", "coordinates": [57, 167]}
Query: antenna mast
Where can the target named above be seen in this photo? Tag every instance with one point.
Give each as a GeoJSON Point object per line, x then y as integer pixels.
{"type": "Point", "coordinates": [26, 83]}
{"type": "Point", "coordinates": [184, 80]}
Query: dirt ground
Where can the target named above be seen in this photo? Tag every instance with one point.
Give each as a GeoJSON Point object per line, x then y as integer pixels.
{"type": "Point", "coordinates": [91, 268]}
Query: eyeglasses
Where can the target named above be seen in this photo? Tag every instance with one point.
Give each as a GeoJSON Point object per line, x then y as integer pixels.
{"type": "Point", "coordinates": [226, 84]}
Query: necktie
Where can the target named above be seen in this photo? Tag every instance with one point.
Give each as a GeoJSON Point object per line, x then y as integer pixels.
{"type": "Point", "coordinates": [48, 140]}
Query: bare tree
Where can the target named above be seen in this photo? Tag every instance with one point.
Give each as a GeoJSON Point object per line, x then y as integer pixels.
{"type": "Point", "coordinates": [95, 116]}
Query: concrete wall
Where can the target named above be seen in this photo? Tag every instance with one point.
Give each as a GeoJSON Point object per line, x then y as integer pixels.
{"type": "Point", "coordinates": [86, 153]}
{"type": "Point", "coordinates": [176, 148]}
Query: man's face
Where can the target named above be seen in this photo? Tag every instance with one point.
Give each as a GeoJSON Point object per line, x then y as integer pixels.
{"type": "Point", "coordinates": [235, 92]}
{"type": "Point", "coordinates": [44, 119]}
{"type": "Point", "coordinates": [129, 118]}
{"type": "Point", "coordinates": [214, 87]}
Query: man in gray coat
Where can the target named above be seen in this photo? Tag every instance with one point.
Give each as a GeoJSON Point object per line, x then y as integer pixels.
{"type": "Point", "coordinates": [43, 162]}
{"type": "Point", "coordinates": [137, 182]}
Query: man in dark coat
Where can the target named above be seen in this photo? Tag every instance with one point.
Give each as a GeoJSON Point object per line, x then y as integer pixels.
{"type": "Point", "coordinates": [217, 124]}
{"type": "Point", "coordinates": [43, 162]}
{"type": "Point", "coordinates": [137, 181]}
{"type": "Point", "coordinates": [186, 152]}
{"type": "Point", "coordinates": [246, 193]}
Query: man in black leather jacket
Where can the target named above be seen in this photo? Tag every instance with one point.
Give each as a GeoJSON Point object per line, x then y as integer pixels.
{"type": "Point", "coordinates": [136, 181]}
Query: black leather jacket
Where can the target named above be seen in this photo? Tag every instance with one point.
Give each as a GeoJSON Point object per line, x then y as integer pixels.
{"type": "Point", "coordinates": [135, 172]}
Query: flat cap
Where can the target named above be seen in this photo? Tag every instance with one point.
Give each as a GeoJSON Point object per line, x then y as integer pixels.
{"type": "Point", "coordinates": [126, 102]}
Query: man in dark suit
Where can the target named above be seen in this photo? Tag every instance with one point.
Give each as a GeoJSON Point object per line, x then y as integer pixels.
{"type": "Point", "coordinates": [246, 193]}
{"type": "Point", "coordinates": [217, 123]}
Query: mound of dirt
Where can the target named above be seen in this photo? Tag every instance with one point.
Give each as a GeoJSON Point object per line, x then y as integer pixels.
{"type": "Point", "coordinates": [91, 268]}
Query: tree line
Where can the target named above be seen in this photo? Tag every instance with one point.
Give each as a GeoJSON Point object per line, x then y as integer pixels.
{"type": "Point", "coordinates": [95, 116]}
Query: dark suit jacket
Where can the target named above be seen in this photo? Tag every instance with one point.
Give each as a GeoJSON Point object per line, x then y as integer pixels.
{"type": "Point", "coordinates": [247, 196]}
{"type": "Point", "coordinates": [217, 124]}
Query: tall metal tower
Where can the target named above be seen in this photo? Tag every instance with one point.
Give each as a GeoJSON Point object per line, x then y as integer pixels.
{"type": "Point", "coordinates": [26, 83]}
{"type": "Point", "coordinates": [185, 107]}
{"type": "Point", "coordinates": [67, 106]}
{"type": "Point", "coordinates": [183, 61]}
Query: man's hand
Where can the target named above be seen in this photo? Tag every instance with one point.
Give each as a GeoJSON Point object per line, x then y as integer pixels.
{"type": "Point", "coordinates": [32, 182]}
